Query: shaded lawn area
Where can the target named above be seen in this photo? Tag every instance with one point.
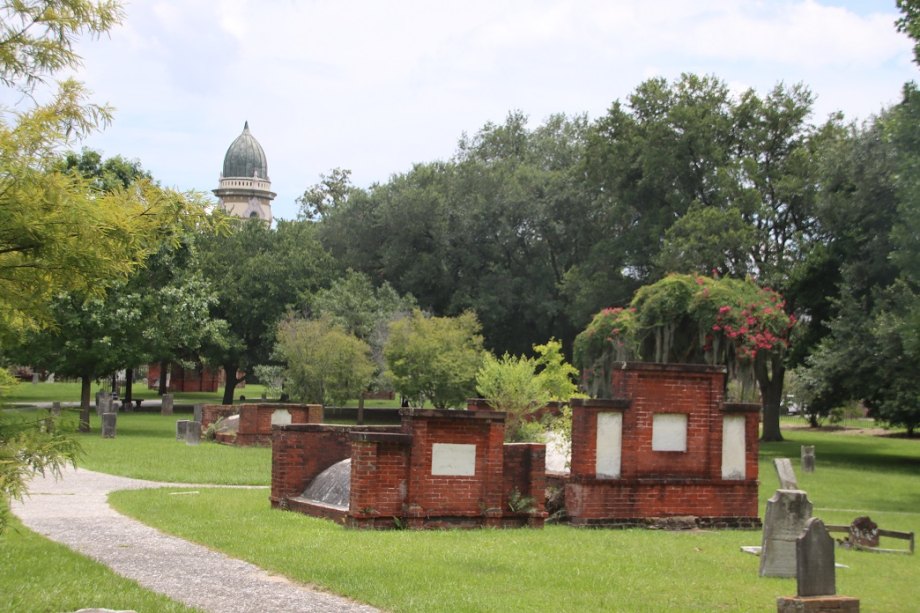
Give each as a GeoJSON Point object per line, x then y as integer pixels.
{"type": "Point", "coordinates": [26, 393]}
{"type": "Point", "coordinates": [563, 568]}
{"type": "Point", "coordinates": [41, 576]}
{"type": "Point", "coordinates": [145, 447]}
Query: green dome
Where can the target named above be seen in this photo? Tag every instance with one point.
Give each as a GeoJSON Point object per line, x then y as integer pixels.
{"type": "Point", "coordinates": [245, 157]}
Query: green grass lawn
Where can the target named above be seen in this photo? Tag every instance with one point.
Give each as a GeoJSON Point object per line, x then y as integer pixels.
{"type": "Point", "coordinates": [568, 569]}
{"type": "Point", "coordinates": [145, 447]}
{"type": "Point", "coordinates": [559, 568]}
{"type": "Point", "coordinates": [41, 576]}
{"type": "Point", "coordinates": [70, 392]}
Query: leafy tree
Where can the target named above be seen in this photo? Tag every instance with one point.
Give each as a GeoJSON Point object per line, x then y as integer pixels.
{"type": "Point", "coordinates": [557, 377]}
{"type": "Point", "coordinates": [365, 311]}
{"type": "Point", "coordinates": [510, 384]}
{"type": "Point", "coordinates": [258, 275]}
{"type": "Point", "coordinates": [325, 364]}
{"type": "Point", "coordinates": [493, 230]}
{"type": "Point", "coordinates": [435, 358]}
{"type": "Point", "coordinates": [78, 238]}
{"type": "Point", "coordinates": [871, 353]}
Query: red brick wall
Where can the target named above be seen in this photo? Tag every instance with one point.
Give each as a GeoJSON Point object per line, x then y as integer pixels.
{"type": "Point", "coordinates": [256, 420]}
{"type": "Point", "coordinates": [302, 451]}
{"type": "Point", "coordinates": [200, 379]}
{"type": "Point", "coordinates": [474, 496]}
{"type": "Point", "coordinates": [524, 469]}
{"type": "Point", "coordinates": [379, 475]}
{"type": "Point", "coordinates": [662, 483]}
{"type": "Point", "coordinates": [212, 412]}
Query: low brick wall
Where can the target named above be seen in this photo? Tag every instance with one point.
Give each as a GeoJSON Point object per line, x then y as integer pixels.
{"type": "Point", "coordinates": [438, 469]}
{"type": "Point", "coordinates": [255, 427]}
{"type": "Point", "coordinates": [685, 468]}
{"type": "Point", "coordinates": [300, 452]}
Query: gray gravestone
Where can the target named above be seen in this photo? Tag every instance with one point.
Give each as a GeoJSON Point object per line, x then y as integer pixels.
{"type": "Point", "coordinates": [193, 433]}
{"type": "Point", "coordinates": [55, 408]}
{"type": "Point", "coordinates": [199, 408]}
{"type": "Point", "coordinates": [108, 424]}
{"type": "Point", "coordinates": [808, 459]}
{"type": "Point", "coordinates": [785, 473]}
{"type": "Point", "coordinates": [34, 378]}
{"type": "Point", "coordinates": [167, 407]}
{"type": "Point", "coordinates": [784, 520]}
{"type": "Point", "coordinates": [264, 396]}
{"type": "Point", "coordinates": [814, 551]}
{"type": "Point", "coordinates": [181, 429]}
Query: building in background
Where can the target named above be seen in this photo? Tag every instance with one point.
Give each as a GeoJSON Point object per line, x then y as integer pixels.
{"type": "Point", "coordinates": [245, 189]}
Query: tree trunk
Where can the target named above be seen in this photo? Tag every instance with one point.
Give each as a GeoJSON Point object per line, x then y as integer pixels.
{"type": "Point", "coordinates": [360, 420]}
{"type": "Point", "coordinates": [85, 389]}
{"type": "Point", "coordinates": [129, 374]}
{"type": "Point", "coordinates": [161, 389]}
{"type": "Point", "coordinates": [230, 371]}
{"type": "Point", "coordinates": [770, 381]}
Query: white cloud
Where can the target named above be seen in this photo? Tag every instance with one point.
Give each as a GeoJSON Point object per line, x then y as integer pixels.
{"type": "Point", "coordinates": [375, 86]}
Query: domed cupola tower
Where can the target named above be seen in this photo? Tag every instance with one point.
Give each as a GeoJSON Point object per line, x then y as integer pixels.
{"type": "Point", "coordinates": [245, 189]}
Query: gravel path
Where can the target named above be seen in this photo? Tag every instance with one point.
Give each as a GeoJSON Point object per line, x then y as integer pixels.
{"type": "Point", "coordinates": [74, 511]}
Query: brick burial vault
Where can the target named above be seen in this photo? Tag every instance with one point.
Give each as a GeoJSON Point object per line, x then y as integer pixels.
{"type": "Point", "coordinates": [665, 445]}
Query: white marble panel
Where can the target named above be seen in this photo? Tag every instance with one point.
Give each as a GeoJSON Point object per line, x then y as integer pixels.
{"type": "Point", "coordinates": [281, 417]}
{"type": "Point", "coordinates": [609, 445]}
{"type": "Point", "coordinates": [449, 459]}
{"type": "Point", "coordinates": [669, 432]}
{"type": "Point", "coordinates": [733, 443]}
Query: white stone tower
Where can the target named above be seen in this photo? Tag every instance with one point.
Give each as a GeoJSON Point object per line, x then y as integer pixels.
{"type": "Point", "coordinates": [245, 189]}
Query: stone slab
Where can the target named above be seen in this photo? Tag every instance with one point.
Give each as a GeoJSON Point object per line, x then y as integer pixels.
{"type": "Point", "coordinates": [453, 460]}
{"type": "Point", "coordinates": [808, 459]}
{"type": "Point", "coordinates": [734, 453]}
{"type": "Point", "coordinates": [785, 474]}
{"type": "Point", "coordinates": [669, 432]}
{"type": "Point", "coordinates": [193, 433]}
{"type": "Point", "coordinates": [828, 604]}
{"type": "Point", "coordinates": [609, 445]}
{"type": "Point", "coordinates": [784, 520]}
{"type": "Point", "coordinates": [814, 550]}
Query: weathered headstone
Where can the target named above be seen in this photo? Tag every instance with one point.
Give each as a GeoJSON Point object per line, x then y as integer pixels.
{"type": "Point", "coordinates": [181, 429]}
{"type": "Point", "coordinates": [167, 407]}
{"type": "Point", "coordinates": [808, 459]}
{"type": "Point", "coordinates": [785, 517]}
{"type": "Point", "coordinates": [198, 409]}
{"type": "Point", "coordinates": [108, 424]}
{"type": "Point", "coordinates": [814, 551]}
{"type": "Point", "coordinates": [193, 433]}
{"type": "Point", "coordinates": [34, 378]}
{"type": "Point", "coordinates": [786, 475]}
{"type": "Point", "coordinates": [264, 397]}
{"type": "Point", "coordinates": [55, 408]}
{"type": "Point", "coordinates": [103, 402]}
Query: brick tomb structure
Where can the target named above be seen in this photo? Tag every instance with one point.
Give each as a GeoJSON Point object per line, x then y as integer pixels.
{"type": "Point", "coordinates": [440, 468]}
{"type": "Point", "coordinates": [665, 446]}
{"type": "Point", "coordinates": [256, 420]}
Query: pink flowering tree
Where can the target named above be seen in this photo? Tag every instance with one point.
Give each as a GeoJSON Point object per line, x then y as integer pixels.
{"type": "Point", "coordinates": [697, 320]}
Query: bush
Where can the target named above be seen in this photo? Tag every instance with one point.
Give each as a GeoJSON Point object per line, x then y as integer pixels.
{"type": "Point", "coordinates": [434, 358]}
{"type": "Point", "coordinates": [510, 384]}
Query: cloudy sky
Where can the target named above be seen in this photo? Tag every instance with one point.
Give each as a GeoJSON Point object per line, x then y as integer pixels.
{"type": "Point", "coordinates": [376, 86]}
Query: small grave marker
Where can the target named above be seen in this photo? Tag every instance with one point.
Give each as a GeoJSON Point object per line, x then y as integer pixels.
{"type": "Point", "coordinates": [55, 408]}
{"type": "Point", "coordinates": [808, 459]}
{"type": "Point", "coordinates": [814, 551]}
{"type": "Point", "coordinates": [198, 409]}
{"type": "Point", "coordinates": [193, 433]}
{"type": "Point", "coordinates": [108, 424]}
{"type": "Point", "coordinates": [784, 520]}
{"type": "Point", "coordinates": [181, 429]}
{"type": "Point", "coordinates": [167, 407]}
{"type": "Point", "coordinates": [787, 480]}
